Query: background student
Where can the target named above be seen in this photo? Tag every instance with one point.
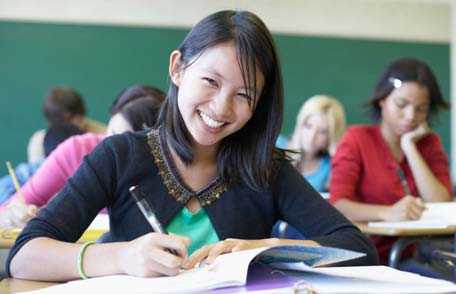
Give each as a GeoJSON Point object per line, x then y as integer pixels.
{"type": "Point", "coordinates": [135, 107]}
{"type": "Point", "coordinates": [54, 136]}
{"type": "Point", "coordinates": [62, 105]}
{"type": "Point", "coordinates": [210, 169]}
{"type": "Point", "coordinates": [319, 126]}
{"type": "Point", "coordinates": [386, 171]}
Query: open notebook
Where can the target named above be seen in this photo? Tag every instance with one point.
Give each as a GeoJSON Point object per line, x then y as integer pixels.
{"type": "Point", "coordinates": [227, 270]}
{"type": "Point", "coordinates": [436, 215]}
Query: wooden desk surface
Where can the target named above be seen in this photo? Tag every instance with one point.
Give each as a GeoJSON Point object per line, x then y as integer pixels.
{"type": "Point", "coordinates": [8, 236]}
{"type": "Point", "coordinates": [17, 285]}
{"type": "Point", "coordinates": [403, 232]}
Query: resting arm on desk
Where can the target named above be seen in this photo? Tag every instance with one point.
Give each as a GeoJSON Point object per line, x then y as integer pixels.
{"type": "Point", "coordinates": [45, 249]}
{"type": "Point", "coordinates": [143, 256]}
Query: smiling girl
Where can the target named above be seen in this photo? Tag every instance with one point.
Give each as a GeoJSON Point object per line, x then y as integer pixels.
{"type": "Point", "coordinates": [210, 170]}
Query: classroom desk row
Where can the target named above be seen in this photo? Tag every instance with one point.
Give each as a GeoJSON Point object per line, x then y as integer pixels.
{"type": "Point", "coordinates": [8, 236]}
{"type": "Point", "coordinates": [406, 236]}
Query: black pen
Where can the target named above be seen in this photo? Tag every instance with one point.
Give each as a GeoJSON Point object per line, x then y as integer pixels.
{"type": "Point", "coordinates": [148, 213]}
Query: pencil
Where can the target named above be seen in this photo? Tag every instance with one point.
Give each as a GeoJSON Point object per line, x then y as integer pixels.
{"type": "Point", "coordinates": [15, 181]}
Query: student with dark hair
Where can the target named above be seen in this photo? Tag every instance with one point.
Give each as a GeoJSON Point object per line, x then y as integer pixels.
{"type": "Point", "coordinates": [129, 112]}
{"type": "Point", "coordinates": [56, 134]}
{"type": "Point", "coordinates": [386, 171]}
{"type": "Point", "coordinates": [62, 106]}
{"type": "Point", "coordinates": [210, 169]}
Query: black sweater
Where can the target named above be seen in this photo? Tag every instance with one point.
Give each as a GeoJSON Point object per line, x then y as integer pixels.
{"type": "Point", "coordinates": [104, 177]}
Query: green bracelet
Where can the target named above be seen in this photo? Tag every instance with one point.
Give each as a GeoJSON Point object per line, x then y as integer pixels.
{"type": "Point", "coordinates": [80, 257]}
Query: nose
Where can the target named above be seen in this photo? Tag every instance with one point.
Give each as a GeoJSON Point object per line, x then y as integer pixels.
{"type": "Point", "coordinates": [410, 113]}
{"type": "Point", "coordinates": [312, 134]}
{"type": "Point", "coordinates": [222, 104]}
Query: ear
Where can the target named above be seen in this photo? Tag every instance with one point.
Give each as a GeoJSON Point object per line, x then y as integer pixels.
{"type": "Point", "coordinates": [175, 67]}
{"type": "Point", "coordinates": [381, 102]}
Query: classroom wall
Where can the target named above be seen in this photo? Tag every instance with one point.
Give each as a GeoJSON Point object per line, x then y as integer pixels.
{"type": "Point", "coordinates": [413, 20]}
{"type": "Point", "coordinates": [336, 47]}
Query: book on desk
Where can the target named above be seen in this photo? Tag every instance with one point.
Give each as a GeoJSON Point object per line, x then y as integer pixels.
{"type": "Point", "coordinates": [268, 270]}
{"type": "Point", "coordinates": [227, 270]}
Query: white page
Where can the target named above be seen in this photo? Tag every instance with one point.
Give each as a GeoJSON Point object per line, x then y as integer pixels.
{"type": "Point", "coordinates": [368, 279]}
{"type": "Point", "coordinates": [417, 224]}
{"type": "Point", "coordinates": [227, 270]}
{"type": "Point", "coordinates": [101, 222]}
{"type": "Point", "coordinates": [436, 215]}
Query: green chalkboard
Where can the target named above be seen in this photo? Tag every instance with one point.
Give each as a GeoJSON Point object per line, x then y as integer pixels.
{"type": "Point", "coordinates": [101, 60]}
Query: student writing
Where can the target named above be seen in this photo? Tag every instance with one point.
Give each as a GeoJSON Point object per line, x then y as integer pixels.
{"type": "Point", "coordinates": [366, 184]}
{"type": "Point", "coordinates": [210, 167]}
{"type": "Point", "coordinates": [133, 109]}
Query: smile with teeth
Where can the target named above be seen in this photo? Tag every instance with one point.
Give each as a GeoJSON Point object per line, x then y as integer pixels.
{"type": "Point", "coordinates": [209, 121]}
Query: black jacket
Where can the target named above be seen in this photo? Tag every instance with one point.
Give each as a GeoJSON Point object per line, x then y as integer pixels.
{"type": "Point", "coordinates": [104, 177]}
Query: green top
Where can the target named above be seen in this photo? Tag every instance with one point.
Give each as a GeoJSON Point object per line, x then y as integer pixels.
{"type": "Point", "coordinates": [196, 226]}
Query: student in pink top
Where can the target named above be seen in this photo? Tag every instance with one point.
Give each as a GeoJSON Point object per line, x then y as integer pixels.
{"type": "Point", "coordinates": [134, 109]}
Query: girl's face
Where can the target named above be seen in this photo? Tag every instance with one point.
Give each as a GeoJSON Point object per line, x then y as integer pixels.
{"type": "Point", "coordinates": [315, 134]}
{"type": "Point", "coordinates": [405, 108]}
{"type": "Point", "coordinates": [212, 97]}
{"type": "Point", "coordinates": [117, 125]}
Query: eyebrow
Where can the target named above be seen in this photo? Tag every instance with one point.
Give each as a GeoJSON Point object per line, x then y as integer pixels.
{"type": "Point", "coordinates": [403, 98]}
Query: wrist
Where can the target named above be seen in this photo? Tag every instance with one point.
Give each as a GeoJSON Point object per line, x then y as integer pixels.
{"type": "Point", "coordinates": [408, 146]}
{"type": "Point", "coordinates": [383, 213]}
{"type": "Point", "coordinates": [120, 258]}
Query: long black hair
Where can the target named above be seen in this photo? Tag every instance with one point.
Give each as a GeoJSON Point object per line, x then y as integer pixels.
{"type": "Point", "coordinates": [246, 156]}
{"type": "Point", "coordinates": [139, 105]}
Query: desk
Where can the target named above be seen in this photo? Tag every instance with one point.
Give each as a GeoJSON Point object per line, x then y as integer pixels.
{"type": "Point", "coordinates": [353, 280]}
{"type": "Point", "coordinates": [407, 236]}
{"type": "Point", "coordinates": [8, 236]}
{"type": "Point", "coordinates": [405, 232]}
{"type": "Point", "coordinates": [17, 285]}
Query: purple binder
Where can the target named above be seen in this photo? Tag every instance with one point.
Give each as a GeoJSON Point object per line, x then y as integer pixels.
{"type": "Point", "coordinates": [261, 277]}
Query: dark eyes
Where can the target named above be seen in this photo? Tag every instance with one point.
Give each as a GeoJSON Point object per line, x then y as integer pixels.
{"type": "Point", "coordinates": [244, 95]}
{"type": "Point", "coordinates": [213, 83]}
{"type": "Point", "coordinates": [402, 104]}
{"type": "Point", "coordinates": [210, 81]}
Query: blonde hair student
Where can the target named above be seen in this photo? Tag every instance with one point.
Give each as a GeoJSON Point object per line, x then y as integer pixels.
{"type": "Point", "coordinates": [330, 110]}
{"type": "Point", "coordinates": [319, 127]}
{"type": "Point", "coordinates": [209, 170]}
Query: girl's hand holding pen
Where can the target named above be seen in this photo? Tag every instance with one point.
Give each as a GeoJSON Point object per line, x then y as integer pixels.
{"type": "Point", "coordinates": [408, 208]}
{"type": "Point", "coordinates": [17, 214]}
{"type": "Point", "coordinates": [149, 255]}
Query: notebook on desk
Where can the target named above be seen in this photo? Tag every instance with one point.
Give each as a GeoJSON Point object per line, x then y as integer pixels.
{"type": "Point", "coordinates": [436, 215]}
{"type": "Point", "coordinates": [228, 270]}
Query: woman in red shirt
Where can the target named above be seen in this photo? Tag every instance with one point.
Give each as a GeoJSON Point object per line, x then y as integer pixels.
{"type": "Point", "coordinates": [386, 171]}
